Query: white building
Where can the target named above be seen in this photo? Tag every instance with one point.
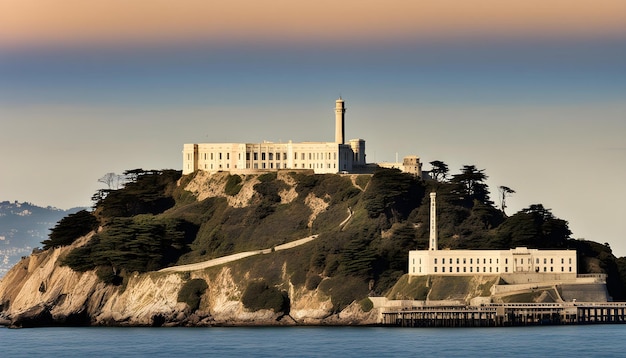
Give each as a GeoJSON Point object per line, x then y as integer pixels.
{"type": "Point", "coordinates": [321, 157]}
{"type": "Point", "coordinates": [521, 260]}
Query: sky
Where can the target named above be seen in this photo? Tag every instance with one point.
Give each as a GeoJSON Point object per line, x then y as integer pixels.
{"type": "Point", "coordinates": [533, 92]}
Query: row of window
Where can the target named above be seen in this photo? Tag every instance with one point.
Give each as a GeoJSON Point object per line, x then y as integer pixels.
{"type": "Point", "coordinates": [506, 261]}
{"type": "Point", "coordinates": [485, 269]}
{"type": "Point", "coordinates": [272, 166]}
{"type": "Point", "coordinates": [458, 260]}
{"type": "Point", "coordinates": [545, 261]}
{"type": "Point", "coordinates": [458, 269]}
{"type": "Point", "coordinates": [268, 156]}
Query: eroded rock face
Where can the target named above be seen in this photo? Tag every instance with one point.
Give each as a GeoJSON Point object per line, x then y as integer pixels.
{"type": "Point", "coordinates": [38, 291]}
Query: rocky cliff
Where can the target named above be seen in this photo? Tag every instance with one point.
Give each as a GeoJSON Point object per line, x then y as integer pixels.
{"type": "Point", "coordinates": [40, 292]}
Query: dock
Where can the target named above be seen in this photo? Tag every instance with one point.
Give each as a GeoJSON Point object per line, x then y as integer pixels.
{"type": "Point", "coordinates": [507, 314]}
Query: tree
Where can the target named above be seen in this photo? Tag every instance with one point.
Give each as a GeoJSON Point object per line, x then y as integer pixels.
{"type": "Point", "coordinates": [110, 179]}
{"type": "Point", "coordinates": [504, 192]}
{"type": "Point", "coordinates": [439, 170]}
{"type": "Point", "coordinates": [70, 228]}
{"type": "Point", "coordinates": [471, 185]}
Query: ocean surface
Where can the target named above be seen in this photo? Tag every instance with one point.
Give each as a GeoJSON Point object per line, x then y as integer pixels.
{"type": "Point", "coordinates": [546, 341]}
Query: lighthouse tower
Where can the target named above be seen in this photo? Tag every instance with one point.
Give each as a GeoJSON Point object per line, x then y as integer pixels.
{"type": "Point", "coordinates": [433, 222]}
{"type": "Point", "coordinates": [340, 111]}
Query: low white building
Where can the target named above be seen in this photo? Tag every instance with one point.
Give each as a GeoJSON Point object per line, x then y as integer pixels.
{"type": "Point", "coordinates": [520, 260]}
{"type": "Point", "coordinates": [321, 157]}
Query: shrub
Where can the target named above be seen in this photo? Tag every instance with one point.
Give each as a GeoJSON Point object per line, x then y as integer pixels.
{"type": "Point", "coordinates": [233, 185]}
{"type": "Point", "coordinates": [191, 293]}
{"type": "Point", "coordinates": [366, 304]}
{"type": "Point", "coordinates": [312, 282]}
{"type": "Point", "coordinates": [259, 295]}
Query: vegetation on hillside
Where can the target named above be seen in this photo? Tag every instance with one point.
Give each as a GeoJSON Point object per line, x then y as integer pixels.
{"type": "Point", "coordinates": [151, 223]}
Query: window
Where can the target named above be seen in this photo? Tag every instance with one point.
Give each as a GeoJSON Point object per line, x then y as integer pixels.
{"type": "Point", "coordinates": [457, 260]}
{"type": "Point", "coordinates": [262, 156]}
{"type": "Point", "coordinates": [485, 269]}
{"type": "Point", "coordinates": [248, 156]}
{"type": "Point", "coordinates": [570, 269]}
{"type": "Point", "coordinates": [435, 261]}
{"type": "Point", "coordinates": [227, 156]}
{"type": "Point", "coordinates": [443, 261]}
{"type": "Point", "coordinates": [562, 260]}
{"type": "Point", "coordinates": [470, 261]}
{"type": "Point", "coordinates": [562, 269]}
{"type": "Point", "coordinates": [471, 269]}
{"type": "Point", "coordinates": [413, 261]}
{"type": "Point", "coordinates": [220, 156]}
{"type": "Point", "coordinates": [284, 156]}
{"type": "Point", "coordinates": [570, 260]}
{"type": "Point", "coordinates": [464, 269]}
{"type": "Point", "coordinates": [464, 260]}
{"type": "Point", "coordinates": [295, 155]}
{"type": "Point", "coordinates": [263, 166]}
{"type": "Point", "coordinates": [435, 268]}
{"type": "Point", "coordinates": [211, 156]}
{"type": "Point", "coordinates": [506, 261]}
{"type": "Point", "coordinates": [545, 261]}
{"type": "Point", "coordinates": [537, 261]}
{"type": "Point", "coordinates": [551, 261]}
{"type": "Point", "coordinates": [457, 269]}
{"type": "Point", "coordinates": [256, 156]}
{"type": "Point", "coordinates": [545, 269]}
{"type": "Point", "coordinates": [551, 269]}
{"type": "Point", "coordinates": [271, 155]}
{"type": "Point", "coordinates": [443, 269]}
{"type": "Point", "coordinates": [506, 269]}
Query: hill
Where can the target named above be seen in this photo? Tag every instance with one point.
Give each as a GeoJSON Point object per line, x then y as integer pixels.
{"type": "Point", "coordinates": [101, 267]}
{"type": "Point", "coordinates": [22, 228]}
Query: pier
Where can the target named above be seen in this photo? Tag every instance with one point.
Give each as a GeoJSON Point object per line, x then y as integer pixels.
{"type": "Point", "coordinates": [507, 314]}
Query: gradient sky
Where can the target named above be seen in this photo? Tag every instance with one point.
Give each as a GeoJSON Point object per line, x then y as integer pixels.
{"type": "Point", "coordinates": [534, 92]}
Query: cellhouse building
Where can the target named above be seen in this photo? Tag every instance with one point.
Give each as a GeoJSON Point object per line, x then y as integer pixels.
{"type": "Point", "coordinates": [321, 157]}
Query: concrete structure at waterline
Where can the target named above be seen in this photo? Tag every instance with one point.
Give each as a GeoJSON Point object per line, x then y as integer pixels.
{"type": "Point", "coordinates": [334, 157]}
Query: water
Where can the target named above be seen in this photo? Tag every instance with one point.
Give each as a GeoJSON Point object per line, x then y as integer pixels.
{"type": "Point", "coordinates": [554, 341]}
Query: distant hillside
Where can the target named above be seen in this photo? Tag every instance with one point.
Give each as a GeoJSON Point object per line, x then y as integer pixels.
{"type": "Point", "coordinates": [22, 227]}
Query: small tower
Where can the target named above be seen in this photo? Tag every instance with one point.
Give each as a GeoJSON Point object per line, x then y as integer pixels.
{"type": "Point", "coordinates": [433, 222]}
{"type": "Point", "coordinates": [340, 111]}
